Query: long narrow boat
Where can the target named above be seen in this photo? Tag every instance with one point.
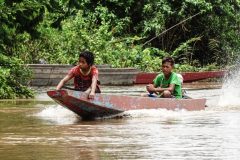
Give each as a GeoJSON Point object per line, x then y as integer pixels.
{"type": "Point", "coordinates": [146, 78]}
{"type": "Point", "coordinates": [106, 105]}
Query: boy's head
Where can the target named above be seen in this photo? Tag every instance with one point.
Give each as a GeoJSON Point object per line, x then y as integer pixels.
{"type": "Point", "coordinates": [86, 59]}
{"type": "Point", "coordinates": [167, 65]}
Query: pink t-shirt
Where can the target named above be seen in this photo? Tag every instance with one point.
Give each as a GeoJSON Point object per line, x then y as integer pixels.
{"type": "Point", "coordinates": [83, 82]}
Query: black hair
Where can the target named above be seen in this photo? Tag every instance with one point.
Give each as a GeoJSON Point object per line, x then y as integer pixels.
{"type": "Point", "coordinates": [88, 56]}
{"type": "Point", "coordinates": [168, 59]}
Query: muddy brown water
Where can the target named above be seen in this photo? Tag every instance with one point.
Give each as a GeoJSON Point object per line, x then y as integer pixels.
{"type": "Point", "coordinates": [40, 129]}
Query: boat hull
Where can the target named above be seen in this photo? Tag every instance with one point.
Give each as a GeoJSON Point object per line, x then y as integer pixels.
{"type": "Point", "coordinates": [146, 78]}
{"type": "Point", "coordinates": [107, 105]}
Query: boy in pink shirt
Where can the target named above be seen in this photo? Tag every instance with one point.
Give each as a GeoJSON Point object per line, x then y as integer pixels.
{"type": "Point", "coordinates": [85, 75]}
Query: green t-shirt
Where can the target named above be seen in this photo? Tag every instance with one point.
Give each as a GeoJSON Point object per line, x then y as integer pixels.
{"type": "Point", "coordinates": [160, 81]}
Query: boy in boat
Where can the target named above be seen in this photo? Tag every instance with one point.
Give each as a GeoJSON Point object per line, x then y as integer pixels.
{"type": "Point", "coordinates": [167, 84]}
{"type": "Point", "coordinates": [85, 75]}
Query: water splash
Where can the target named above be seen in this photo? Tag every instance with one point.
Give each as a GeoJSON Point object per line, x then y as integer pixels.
{"type": "Point", "coordinates": [58, 115]}
{"type": "Point", "coordinates": [230, 96]}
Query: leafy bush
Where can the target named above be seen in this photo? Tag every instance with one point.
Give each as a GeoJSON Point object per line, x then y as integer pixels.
{"type": "Point", "coordinates": [189, 68]}
{"type": "Point", "coordinates": [13, 78]}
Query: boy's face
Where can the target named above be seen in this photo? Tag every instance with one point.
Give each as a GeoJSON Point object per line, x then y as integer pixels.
{"type": "Point", "coordinates": [167, 68]}
{"type": "Point", "coordinates": [83, 63]}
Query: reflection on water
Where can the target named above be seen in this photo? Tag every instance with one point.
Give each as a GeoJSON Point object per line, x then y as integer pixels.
{"type": "Point", "coordinates": [44, 130]}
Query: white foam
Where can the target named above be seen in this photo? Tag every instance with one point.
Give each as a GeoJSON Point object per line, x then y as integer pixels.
{"type": "Point", "coordinates": [158, 113]}
{"type": "Point", "coordinates": [161, 114]}
{"type": "Point", "coordinates": [58, 114]}
{"type": "Point", "coordinates": [230, 93]}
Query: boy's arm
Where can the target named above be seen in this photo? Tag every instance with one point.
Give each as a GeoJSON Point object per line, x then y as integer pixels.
{"type": "Point", "coordinates": [174, 81]}
{"type": "Point", "coordinates": [153, 88]}
{"type": "Point", "coordinates": [170, 88]}
{"type": "Point", "coordinates": [93, 87]}
{"type": "Point", "coordinates": [63, 81]}
{"type": "Point", "coordinates": [150, 88]}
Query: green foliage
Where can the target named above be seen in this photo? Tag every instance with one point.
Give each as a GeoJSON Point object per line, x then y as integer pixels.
{"type": "Point", "coordinates": [191, 68]}
{"type": "Point", "coordinates": [58, 30]}
{"type": "Point", "coordinates": [184, 52]}
{"type": "Point", "coordinates": [115, 30]}
{"type": "Point", "coordinates": [13, 76]}
{"type": "Point", "coordinates": [17, 18]}
{"type": "Point", "coordinates": [76, 36]}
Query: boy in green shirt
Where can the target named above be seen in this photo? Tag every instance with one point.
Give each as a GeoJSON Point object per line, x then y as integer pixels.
{"type": "Point", "coordinates": [166, 84]}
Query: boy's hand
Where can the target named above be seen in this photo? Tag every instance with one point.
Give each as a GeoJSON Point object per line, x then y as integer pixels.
{"type": "Point", "coordinates": [150, 88]}
{"type": "Point", "coordinates": [91, 95]}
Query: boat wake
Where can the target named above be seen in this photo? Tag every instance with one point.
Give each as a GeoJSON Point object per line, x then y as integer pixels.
{"type": "Point", "coordinates": [157, 114]}
{"type": "Point", "coordinates": [58, 115]}
{"type": "Point", "coordinates": [230, 93]}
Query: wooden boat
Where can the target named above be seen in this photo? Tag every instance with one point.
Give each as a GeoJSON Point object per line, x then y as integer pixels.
{"type": "Point", "coordinates": [146, 78]}
{"type": "Point", "coordinates": [106, 105]}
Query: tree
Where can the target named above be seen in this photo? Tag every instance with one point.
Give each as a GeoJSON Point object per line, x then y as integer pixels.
{"type": "Point", "coordinates": [18, 19]}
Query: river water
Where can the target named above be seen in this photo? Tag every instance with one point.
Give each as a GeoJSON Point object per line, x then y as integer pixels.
{"type": "Point", "coordinates": [40, 129]}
